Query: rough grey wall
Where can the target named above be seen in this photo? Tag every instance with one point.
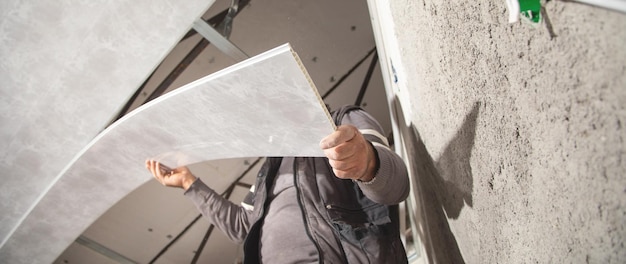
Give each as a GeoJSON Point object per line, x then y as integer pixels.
{"type": "Point", "coordinates": [518, 132]}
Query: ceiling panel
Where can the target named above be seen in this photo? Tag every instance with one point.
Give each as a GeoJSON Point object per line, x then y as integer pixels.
{"type": "Point", "coordinates": [66, 68]}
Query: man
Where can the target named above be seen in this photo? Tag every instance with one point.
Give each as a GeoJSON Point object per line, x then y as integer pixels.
{"type": "Point", "coordinates": [338, 209]}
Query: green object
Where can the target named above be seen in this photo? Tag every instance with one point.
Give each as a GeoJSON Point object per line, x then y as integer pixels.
{"type": "Point", "coordinates": [531, 10]}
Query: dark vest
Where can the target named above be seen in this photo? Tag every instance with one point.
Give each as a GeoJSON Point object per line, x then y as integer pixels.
{"type": "Point", "coordinates": [344, 225]}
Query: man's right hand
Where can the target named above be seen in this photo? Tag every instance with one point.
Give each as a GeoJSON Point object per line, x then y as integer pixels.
{"type": "Point", "coordinates": [180, 177]}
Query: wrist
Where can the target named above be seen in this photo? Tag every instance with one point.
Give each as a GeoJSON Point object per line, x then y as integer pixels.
{"type": "Point", "coordinates": [367, 178]}
{"type": "Point", "coordinates": [372, 165]}
{"type": "Point", "coordinates": [188, 181]}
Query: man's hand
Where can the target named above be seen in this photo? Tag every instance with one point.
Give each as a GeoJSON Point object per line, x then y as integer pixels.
{"type": "Point", "coordinates": [180, 177]}
{"type": "Point", "coordinates": [349, 153]}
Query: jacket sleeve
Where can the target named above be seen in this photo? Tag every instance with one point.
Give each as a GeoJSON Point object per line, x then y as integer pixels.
{"type": "Point", "coordinates": [232, 219]}
{"type": "Point", "coordinates": [391, 181]}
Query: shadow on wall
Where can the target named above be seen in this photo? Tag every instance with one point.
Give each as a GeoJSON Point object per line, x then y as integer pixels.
{"type": "Point", "coordinates": [442, 187]}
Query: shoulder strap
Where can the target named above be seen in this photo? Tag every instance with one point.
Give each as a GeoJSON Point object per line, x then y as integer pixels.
{"type": "Point", "coordinates": [338, 114]}
{"type": "Point", "coordinates": [269, 170]}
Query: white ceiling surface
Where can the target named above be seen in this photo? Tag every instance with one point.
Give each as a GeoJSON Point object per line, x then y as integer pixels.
{"type": "Point", "coordinates": [337, 34]}
{"type": "Point", "coordinates": [66, 68]}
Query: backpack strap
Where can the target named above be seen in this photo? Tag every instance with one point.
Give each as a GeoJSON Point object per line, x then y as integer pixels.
{"type": "Point", "coordinates": [338, 114]}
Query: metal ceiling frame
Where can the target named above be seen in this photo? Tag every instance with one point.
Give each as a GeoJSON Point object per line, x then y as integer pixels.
{"type": "Point", "coordinates": [219, 41]}
{"type": "Point", "coordinates": [111, 254]}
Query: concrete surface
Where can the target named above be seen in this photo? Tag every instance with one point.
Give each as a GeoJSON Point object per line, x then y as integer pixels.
{"type": "Point", "coordinates": [517, 132]}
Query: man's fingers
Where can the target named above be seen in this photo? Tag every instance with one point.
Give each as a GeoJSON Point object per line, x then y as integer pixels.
{"type": "Point", "coordinates": [347, 152]}
{"type": "Point", "coordinates": [154, 168]}
{"type": "Point", "coordinates": [342, 165]}
{"type": "Point", "coordinates": [342, 134]}
{"type": "Point", "coordinates": [347, 170]}
{"type": "Point", "coordinates": [150, 166]}
{"type": "Point", "coordinates": [341, 152]}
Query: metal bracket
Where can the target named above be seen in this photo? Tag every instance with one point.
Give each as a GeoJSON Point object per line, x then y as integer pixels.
{"type": "Point", "coordinates": [219, 41]}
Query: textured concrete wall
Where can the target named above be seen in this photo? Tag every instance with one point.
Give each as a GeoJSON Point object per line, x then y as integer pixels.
{"type": "Point", "coordinates": [518, 132]}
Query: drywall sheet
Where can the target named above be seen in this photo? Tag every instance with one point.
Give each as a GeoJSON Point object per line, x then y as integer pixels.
{"type": "Point", "coordinates": [67, 67]}
{"type": "Point", "coordinates": [264, 106]}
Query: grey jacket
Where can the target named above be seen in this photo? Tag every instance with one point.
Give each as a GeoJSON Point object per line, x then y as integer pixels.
{"type": "Point", "coordinates": [348, 221]}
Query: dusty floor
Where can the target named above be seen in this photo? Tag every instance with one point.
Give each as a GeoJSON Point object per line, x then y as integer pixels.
{"type": "Point", "coordinates": [518, 132]}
